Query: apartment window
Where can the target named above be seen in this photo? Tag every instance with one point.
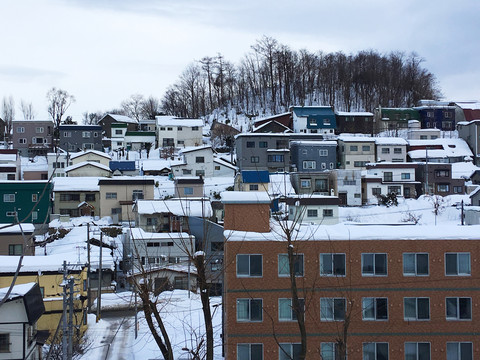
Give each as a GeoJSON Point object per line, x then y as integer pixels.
{"type": "Point", "coordinates": [312, 213]}
{"type": "Point", "coordinates": [8, 197]}
{"type": "Point", "coordinates": [323, 166]}
{"type": "Point", "coordinates": [249, 309]}
{"type": "Point", "coordinates": [22, 141]}
{"type": "Point", "coordinates": [254, 159]}
{"type": "Point", "coordinates": [366, 148]}
{"type": "Point", "coordinates": [457, 264]}
{"type": "Point", "coordinates": [442, 173]}
{"type": "Point", "coordinates": [250, 144]}
{"type": "Point", "coordinates": [284, 267]}
{"type": "Point", "coordinates": [305, 183]}
{"type": "Point", "coordinates": [111, 195]}
{"type": "Point", "coordinates": [85, 134]}
{"type": "Point", "coordinates": [200, 159]}
{"type": "Point", "coordinates": [375, 351]}
{"type": "Point", "coordinates": [253, 187]}
{"type": "Point", "coordinates": [443, 187]}
{"type": "Point", "coordinates": [405, 176]}
{"type": "Point", "coordinates": [15, 249]}
{"type": "Point", "coordinates": [374, 264]}
{"type": "Point", "coordinates": [328, 351]}
{"type": "Point", "coordinates": [263, 144]}
{"type": "Point", "coordinates": [415, 264]}
{"type": "Point", "coordinates": [353, 148]}
{"type": "Point", "coordinates": [309, 164]}
{"type": "Point", "coordinates": [327, 212]}
{"type": "Point", "coordinates": [34, 215]}
{"type": "Point", "coordinates": [387, 176]}
{"type": "Point", "coordinates": [249, 265]}
{"type": "Point", "coordinates": [188, 191]}
{"type": "Point", "coordinates": [459, 351]}
{"type": "Point", "coordinates": [4, 343]}
{"type": "Point", "coordinates": [20, 129]}
{"type": "Point", "coordinates": [397, 150]}
{"type": "Point", "coordinates": [323, 152]}
{"type": "Point", "coordinates": [249, 351]}
{"type": "Point", "coordinates": [286, 311]}
{"type": "Point", "coordinates": [276, 158]}
{"type": "Point", "coordinates": [289, 351]}
{"type": "Point", "coordinates": [417, 351]}
{"type": "Point", "coordinates": [331, 165]}
{"type": "Point", "coordinates": [39, 130]}
{"type": "Point", "coordinates": [385, 150]}
{"type": "Point", "coordinates": [416, 308]}
{"type": "Point", "coordinates": [68, 134]}
{"type": "Point", "coordinates": [332, 309]}
{"type": "Point", "coordinates": [458, 308]}
{"type": "Point", "coordinates": [11, 214]}
{"type": "Point", "coordinates": [332, 264]}
{"type": "Point", "coordinates": [374, 308]}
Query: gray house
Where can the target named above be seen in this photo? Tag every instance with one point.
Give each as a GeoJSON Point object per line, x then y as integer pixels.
{"type": "Point", "coordinates": [32, 137]}
{"type": "Point", "coordinates": [469, 131]}
{"type": "Point", "coordinates": [311, 156]}
{"type": "Point", "coordinates": [80, 137]}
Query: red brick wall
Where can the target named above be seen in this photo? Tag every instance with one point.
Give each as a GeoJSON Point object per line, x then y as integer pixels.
{"type": "Point", "coordinates": [247, 217]}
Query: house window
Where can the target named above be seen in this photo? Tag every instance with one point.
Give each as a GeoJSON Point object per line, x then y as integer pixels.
{"type": "Point", "coordinates": [397, 150]}
{"type": "Point", "coordinates": [309, 164]}
{"type": "Point", "coordinates": [169, 128]}
{"type": "Point", "coordinates": [284, 267]}
{"type": "Point", "coordinates": [116, 211]}
{"type": "Point", "coordinates": [289, 351]}
{"type": "Point", "coordinates": [200, 159]}
{"type": "Point", "coordinates": [443, 187]}
{"type": "Point", "coordinates": [415, 264]}
{"type": "Point", "coordinates": [458, 308]}
{"type": "Point", "coordinates": [430, 114]}
{"type": "Point", "coordinates": [276, 158]}
{"type": "Point", "coordinates": [89, 197]}
{"type": "Point", "coordinates": [111, 195]}
{"type": "Point", "coordinates": [15, 249]}
{"type": "Point", "coordinates": [321, 185]}
{"type": "Point", "coordinates": [12, 176]}
{"type": "Point", "coordinates": [458, 189]}
{"type": "Point", "coordinates": [442, 173]}
{"type": "Point", "coordinates": [95, 134]}
{"type": "Point", "coordinates": [376, 191]}
{"type": "Point", "coordinates": [326, 121]}
{"type": "Point", "coordinates": [8, 197]}
{"type": "Point", "coordinates": [217, 168]}
{"type": "Point", "coordinates": [323, 152]}
{"type": "Point", "coordinates": [186, 172]}
{"type": "Point", "coordinates": [249, 265]}
{"type": "Point", "coordinates": [250, 144]}
{"type": "Point", "coordinates": [405, 176]}
{"type": "Point", "coordinates": [332, 264]}
{"type": "Point", "coordinates": [323, 166]}
{"type": "Point", "coordinates": [374, 308]}
{"type": "Point", "coordinates": [22, 141]}
{"type": "Point", "coordinates": [68, 134]}
{"type": "Point", "coordinates": [328, 351]}
{"type": "Point", "coordinates": [385, 150]}
{"type": "Point", "coordinates": [359, 163]}
{"type": "Point", "coordinates": [39, 130]}
{"type": "Point", "coordinates": [4, 343]}
{"type": "Point", "coordinates": [387, 176]}
{"type": "Point", "coordinates": [34, 215]}
{"type": "Point", "coordinates": [305, 183]}
{"type": "Point", "coordinates": [459, 351]}
{"type": "Point", "coordinates": [286, 312]}
{"type": "Point", "coordinates": [397, 190]}
{"type": "Point", "coordinates": [327, 212]}
{"type": "Point", "coordinates": [312, 213]}
{"type": "Point", "coordinates": [195, 128]}
{"type": "Point", "coordinates": [447, 115]}
{"type": "Point", "coordinates": [162, 128]}
{"type": "Point", "coordinates": [262, 144]}
{"type": "Point", "coordinates": [11, 213]}
{"type": "Point", "coordinates": [86, 134]}
{"type": "Point", "coordinates": [249, 351]}
{"type": "Point", "coordinates": [152, 221]}
{"type": "Point", "coordinates": [179, 128]}
{"type": "Point", "coordinates": [69, 197]}
{"type": "Point", "coordinates": [253, 187]}
{"type": "Point", "coordinates": [249, 309]}
{"type": "Point", "coordinates": [457, 264]}
{"type": "Point", "coordinates": [20, 129]}
{"type": "Point", "coordinates": [254, 159]}
{"type": "Point", "coordinates": [366, 148]}
{"type": "Point", "coordinates": [375, 351]}
{"type": "Point", "coordinates": [312, 122]}
{"type": "Point", "coordinates": [137, 195]}
{"type": "Point", "coordinates": [332, 309]}
{"type": "Point", "coordinates": [188, 191]}
{"type": "Point", "coordinates": [416, 308]}
{"type": "Point", "coordinates": [374, 264]}
{"type": "Point", "coordinates": [423, 137]}
{"type": "Point", "coordinates": [417, 351]}
{"type": "Point", "coordinates": [200, 173]}
{"type": "Point", "coordinates": [353, 148]}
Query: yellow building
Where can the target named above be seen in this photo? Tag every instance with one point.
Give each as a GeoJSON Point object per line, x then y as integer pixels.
{"type": "Point", "coordinates": [47, 271]}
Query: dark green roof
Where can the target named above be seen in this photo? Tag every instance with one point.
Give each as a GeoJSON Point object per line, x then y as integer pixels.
{"type": "Point", "coordinates": [140, 133]}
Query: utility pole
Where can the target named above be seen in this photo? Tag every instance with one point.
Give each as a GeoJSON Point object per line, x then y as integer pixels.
{"type": "Point", "coordinates": [99, 298]}
{"type": "Point", "coordinates": [462, 215]}
{"type": "Point", "coordinates": [426, 170]}
{"type": "Point", "coordinates": [136, 310]}
{"type": "Point", "coordinates": [71, 309]}
{"type": "Point", "coordinates": [89, 295]}
{"type": "Point", "coordinates": [65, 328]}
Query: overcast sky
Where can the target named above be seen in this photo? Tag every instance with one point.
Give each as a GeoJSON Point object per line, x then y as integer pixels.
{"type": "Point", "coordinates": [103, 51]}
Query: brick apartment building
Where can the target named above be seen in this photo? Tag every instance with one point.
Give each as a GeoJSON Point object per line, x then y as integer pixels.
{"type": "Point", "coordinates": [409, 292]}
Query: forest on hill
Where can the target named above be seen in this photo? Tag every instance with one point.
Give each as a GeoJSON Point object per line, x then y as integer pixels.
{"type": "Point", "coordinates": [272, 77]}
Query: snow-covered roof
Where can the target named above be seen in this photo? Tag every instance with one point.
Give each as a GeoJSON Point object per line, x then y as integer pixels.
{"type": "Point", "coordinates": [174, 121]}
{"type": "Point", "coordinates": [159, 164]}
{"type": "Point", "coordinates": [195, 148]}
{"type": "Point", "coordinates": [354, 138]}
{"type": "Point", "coordinates": [8, 157]}
{"type": "Point", "coordinates": [463, 170]}
{"type": "Point", "coordinates": [96, 152]}
{"type": "Point", "coordinates": [17, 291]}
{"type": "Point", "coordinates": [81, 183]}
{"type": "Point", "coordinates": [10, 228]}
{"type": "Point", "coordinates": [35, 264]}
{"type": "Point", "coordinates": [451, 148]}
{"type": "Point", "coordinates": [87, 163]}
{"type": "Point", "coordinates": [140, 234]}
{"type": "Point", "coordinates": [184, 207]}
{"type": "Point", "coordinates": [123, 118]}
{"type": "Point", "coordinates": [390, 141]}
{"type": "Point", "coordinates": [469, 105]}
{"type": "Point", "coordinates": [354, 113]}
{"type": "Point", "coordinates": [353, 232]}
{"type": "Point", "coordinates": [313, 142]}
{"type": "Point", "coordinates": [246, 197]}
{"type": "Point", "coordinates": [39, 163]}
{"type": "Point", "coordinates": [223, 162]}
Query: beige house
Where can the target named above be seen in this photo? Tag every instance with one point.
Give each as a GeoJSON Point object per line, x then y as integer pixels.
{"type": "Point", "coordinates": [78, 197]}
{"type": "Point", "coordinates": [12, 242]}
{"type": "Point", "coordinates": [354, 152]}
{"type": "Point", "coordinates": [118, 194]}
{"type": "Point", "coordinates": [188, 187]}
{"type": "Point", "coordinates": [88, 168]}
{"type": "Point", "coordinates": [92, 156]}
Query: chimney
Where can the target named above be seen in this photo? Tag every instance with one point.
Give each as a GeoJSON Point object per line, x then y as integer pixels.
{"type": "Point", "coordinates": [246, 211]}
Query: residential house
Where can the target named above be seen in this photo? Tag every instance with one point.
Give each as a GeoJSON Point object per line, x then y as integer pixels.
{"type": "Point", "coordinates": [354, 122]}
{"type": "Point", "coordinates": [313, 156]}
{"type": "Point", "coordinates": [118, 136]}
{"type": "Point", "coordinates": [387, 177]}
{"type": "Point", "coordinates": [436, 178]}
{"type": "Point", "coordinates": [10, 164]}
{"type": "Point", "coordinates": [189, 187]}
{"type": "Point", "coordinates": [92, 156]}
{"type": "Point", "coordinates": [394, 291]}
{"type": "Point", "coordinates": [467, 111]}
{"type": "Point", "coordinates": [197, 161]}
{"type": "Point", "coordinates": [12, 242]}
{"type": "Point", "coordinates": [355, 152]}
{"type": "Point", "coordinates": [444, 150]}
{"type": "Point", "coordinates": [391, 149]}
{"type": "Point", "coordinates": [57, 162]}
{"type": "Point", "coordinates": [34, 168]}
{"type": "Point", "coordinates": [475, 197]}
{"type": "Point", "coordinates": [160, 167]}
{"type": "Point", "coordinates": [252, 180]}
{"type": "Point", "coordinates": [437, 117]}
{"type": "Point", "coordinates": [18, 322]}
{"type": "Point", "coordinates": [349, 184]}
{"type": "Point", "coordinates": [140, 140]}
{"type": "Point", "coordinates": [170, 215]}
{"type": "Point", "coordinates": [25, 201]}
{"type": "Point", "coordinates": [124, 168]}
{"type": "Point", "coordinates": [470, 133]}
{"type": "Point", "coordinates": [313, 119]}
{"type": "Point", "coordinates": [313, 209]}
{"type": "Point", "coordinates": [80, 197]}
{"type": "Point", "coordinates": [147, 125]}
{"type": "Point", "coordinates": [394, 119]}
{"type": "Point", "coordinates": [415, 132]}
{"type": "Point", "coordinates": [263, 152]}
{"type": "Point", "coordinates": [223, 167]}
{"type": "Point", "coordinates": [317, 183]}
{"type": "Point", "coordinates": [75, 138]}
{"type": "Point", "coordinates": [118, 194]}
{"type": "Point", "coordinates": [88, 168]}
{"type": "Point", "coordinates": [32, 137]}
{"type": "Point", "coordinates": [109, 123]}
{"type": "Point", "coordinates": [176, 132]}
{"type": "Point", "coordinates": [280, 123]}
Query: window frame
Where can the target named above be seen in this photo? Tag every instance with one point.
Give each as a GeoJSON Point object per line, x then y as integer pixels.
{"type": "Point", "coordinates": [249, 275]}
{"type": "Point", "coordinates": [9, 198]}
{"type": "Point", "coordinates": [249, 350]}
{"type": "Point", "coordinates": [332, 305]}
{"type": "Point", "coordinates": [376, 348]}
{"type": "Point", "coordinates": [283, 354]}
{"type": "Point", "coordinates": [459, 349]}
{"type": "Point", "coordinates": [6, 342]}
{"type": "Point", "coordinates": [375, 308]}
{"type": "Point", "coordinates": [458, 309]}
{"type": "Point", "coordinates": [416, 318]}
{"type": "Point", "coordinates": [293, 315]}
{"type": "Point", "coordinates": [416, 348]}
{"type": "Point", "coordinates": [458, 273]}
{"type": "Point", "coordinates": [250, 300]}
{"type": "Point", "coordinates": [333, 273]}
{"type": "Point", "coordinates": [374, 261]}
{"type": "Point", "coordinates": [287, 273]}
{"type": "Point", "coordinates": [416, 254]}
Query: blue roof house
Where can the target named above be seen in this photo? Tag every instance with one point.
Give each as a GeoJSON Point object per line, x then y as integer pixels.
{"type": "Point", "coordinates": [252, 180]}
{"type": "Point", "coordinates": [313, 119]}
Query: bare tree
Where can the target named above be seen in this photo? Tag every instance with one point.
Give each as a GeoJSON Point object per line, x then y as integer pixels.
{"type": "Point", "coordinates": [27, 110]}
{"type": "Point", "coordinates": [8, 114]}
{"type": "Point", "coordinates": [91, 118]}
{"type": "Point", "coordinates": [133, 106]}
{"type": "Point", "coordinates": [58, 103]}
{"type": "Point", "coordinates": [150, 108]}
